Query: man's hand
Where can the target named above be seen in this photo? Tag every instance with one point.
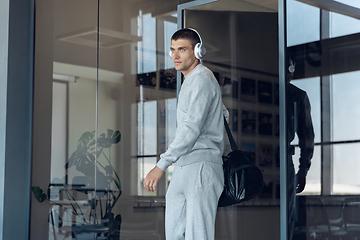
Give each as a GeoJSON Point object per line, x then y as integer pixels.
{"type": "Point", "coordinates": [300, 183]}
{"type": "Point", "coordinates": [152, 179]}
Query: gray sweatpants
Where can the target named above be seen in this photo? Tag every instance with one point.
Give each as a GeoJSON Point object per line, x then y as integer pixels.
{"type": "Point", "coordinates": [191, 201]}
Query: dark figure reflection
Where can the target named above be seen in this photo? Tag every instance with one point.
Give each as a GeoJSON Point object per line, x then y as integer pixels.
{"type": "Point", "coordinates": [299, 122]}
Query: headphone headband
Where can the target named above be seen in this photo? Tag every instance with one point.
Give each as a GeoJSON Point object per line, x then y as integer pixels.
{"type": "Point", "coordinates": [201, 42]}
{"type": "Point", "coordinates": [199, 50]}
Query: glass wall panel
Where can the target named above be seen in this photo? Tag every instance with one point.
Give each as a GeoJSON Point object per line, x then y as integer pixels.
{"type": "Point", "coordinates": [326, 72]}
{"type": "Point", "coordinates": [63, 178]}
{"type": "Point", "coordinates": [137, 98]}
{"type": "Point", "coordinates": [112, 108]}
{"type": "Point", "coordinates": [303, 23]}
{"type": "Point", "coordinates": [346, 179]}
{"type": "Point", "coordinates": [344, 25]}
{"type": "Point", "coordinates": [345, 107]}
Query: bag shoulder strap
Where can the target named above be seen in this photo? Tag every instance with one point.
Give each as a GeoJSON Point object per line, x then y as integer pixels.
{"type": "Point", "coordinates": [230, 136]}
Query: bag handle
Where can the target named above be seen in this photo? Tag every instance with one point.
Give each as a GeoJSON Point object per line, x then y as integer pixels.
{"type": "Point", "coordinates": [230, 136]}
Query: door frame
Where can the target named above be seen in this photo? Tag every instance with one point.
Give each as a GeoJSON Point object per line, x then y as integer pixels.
{"type": "Point", "coordinates": [181, 24]}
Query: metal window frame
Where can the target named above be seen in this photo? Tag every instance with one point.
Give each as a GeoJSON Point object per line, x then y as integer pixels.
{"type": "Point", "coordinates": [282, 119]}
{"type": "Point", "coordinates": [334, 6]}
{"type": "Point", "coordinates": [16, 105]}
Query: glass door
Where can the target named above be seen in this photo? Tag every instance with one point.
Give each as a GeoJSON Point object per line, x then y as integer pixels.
{"type": "Point", "coordinates": [242, 51]}
{"type": "Point", "coordinates": [321, 78]}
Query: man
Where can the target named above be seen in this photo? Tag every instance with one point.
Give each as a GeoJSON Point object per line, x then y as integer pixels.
{"type": "Point", "coordinates": [299, 122]}
{"type": "Point", "coordinates": [197, 181]}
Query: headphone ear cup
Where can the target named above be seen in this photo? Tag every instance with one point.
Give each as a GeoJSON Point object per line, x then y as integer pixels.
{"type": "Point", "coordinates": [202, 51]}
{"type": "Point", "coordinates": [291, 68]}
{"type": "Point", "coordinates": [170, 54]}
{"type": "Point", "coordinates": [199, 51]}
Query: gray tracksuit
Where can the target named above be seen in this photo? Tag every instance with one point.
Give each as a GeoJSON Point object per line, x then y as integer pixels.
{"type": "Point", "coordinates": [197, 181]}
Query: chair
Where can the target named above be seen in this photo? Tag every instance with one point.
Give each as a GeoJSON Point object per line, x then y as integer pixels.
{"type": "Point", "coordinates": [319, 226]}
{"type": "Point", "coordinates": [334, 207]}
{"type": "Point", "coordinates": [352, 217]}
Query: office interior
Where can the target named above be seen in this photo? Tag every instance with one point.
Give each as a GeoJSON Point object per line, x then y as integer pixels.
{"type": "Point", "coordinates": [104, 109]}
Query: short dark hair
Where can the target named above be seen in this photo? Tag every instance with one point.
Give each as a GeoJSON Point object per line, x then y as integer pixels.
{"type": "Point", "coordinates": [187, 34]}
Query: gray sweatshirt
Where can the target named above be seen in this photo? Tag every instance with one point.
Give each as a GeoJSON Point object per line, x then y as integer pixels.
{"type": "Point", "coordinates": [200, 113]}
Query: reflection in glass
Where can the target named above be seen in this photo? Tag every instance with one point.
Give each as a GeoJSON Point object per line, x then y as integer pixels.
{"type": "Point", "coordinates": [249, 91]}
{"type": "Point", "coordinates": [346, 165]}
{"type": "Point", "coordinates": [147, 128]}
{"type": "Point", "coordinates": [312, 88]}
{"type": "Point", "coordinates": [343, 25]}
{"type": "Point", "coordinates": [303, 23]}
{"type": "Point", "coordinates": [170, 126]}
{"type": "Point", "coordinates": [147, 47]}
{"type": "Point", "coordinates": [346, 111]}
{"type": "Point", "coordinates": [329, 73]}
{"type": "Point", "coordinates": [313, 178]}
{"type": "Point", "coordinates": [59, 136]}
{"type": "Point", "coordinates": [353, 3]}
{"type": "Point", "coordinates": [169, 29]}
{"type": "Point", "coordinates": [299, 123]}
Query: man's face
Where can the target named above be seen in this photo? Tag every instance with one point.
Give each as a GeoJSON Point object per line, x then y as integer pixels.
{"type": "Point", "coordinates": [183, 56]}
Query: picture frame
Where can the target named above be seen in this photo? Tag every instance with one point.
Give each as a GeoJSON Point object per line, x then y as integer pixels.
{"type": "Point", "coordinates": [248, 90]}
{"type": "Point", "coordinates": [249, 149]}
{"type": "Point", "coordinates": [265, 92]}
{"type": "Point", "coordinates": [146, 79]}
{"type": "Point", "coordinates": [265, 123]}
{"type": "Point", "coordinates": [168, 79]}
{"type": "Point", "coordinates": [229, 86]}
{"type": "Point", "coordinates": [265, 155]}
{"type": "Point", "coordinates": [248, 122]}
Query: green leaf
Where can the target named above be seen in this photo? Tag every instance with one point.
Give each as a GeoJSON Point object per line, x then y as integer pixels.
{"type": "Point", "coordinates": [117, 137]}
{"type": "Point", "coordinates": [38, 193]}
{"type": "Point", "coordinates": [84, 140]}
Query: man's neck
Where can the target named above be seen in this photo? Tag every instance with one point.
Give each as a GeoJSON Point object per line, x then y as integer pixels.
{"type": "Point", "coordinates": [197, 62]}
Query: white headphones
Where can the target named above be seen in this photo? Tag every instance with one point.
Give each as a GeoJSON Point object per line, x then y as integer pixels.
{"type": "Point", "coordinates": [292, 65]}
{"type": "Point", "coordinates": [199, 50]}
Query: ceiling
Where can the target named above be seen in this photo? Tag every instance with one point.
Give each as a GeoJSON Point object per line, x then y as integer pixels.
{"type": "Point", "coordinates": [242, 5]}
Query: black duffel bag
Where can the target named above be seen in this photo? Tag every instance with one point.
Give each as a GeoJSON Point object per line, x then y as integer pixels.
{"type": "Point", "coordinates": [243, 180]}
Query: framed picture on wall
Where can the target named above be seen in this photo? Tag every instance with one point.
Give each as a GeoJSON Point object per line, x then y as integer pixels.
{"type": "Point", "coordinates": [265, 155]}
{"type": "Point", "coordinates": [265, 92]}
{"type": "Point", "coordinates": [249, 150]}
{"type": "Point", "coordinates": [168, 78]}
{"type": "Point", "coordinates": [265, 124]}
{"type": "Point", "coordinates": [146, 79]}
{"type": "Point", "coordinates": [248, 122]}
{"type": "Point", "coordinates": [229, 86]}
{"type": "Point", "coordinates": [233, 119]}
{"type": "Point", "coordinates": [248, 90]}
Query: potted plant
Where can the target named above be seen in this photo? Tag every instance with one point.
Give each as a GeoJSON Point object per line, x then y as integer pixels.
{"type": "Point", "coordinates": [97, 180]}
